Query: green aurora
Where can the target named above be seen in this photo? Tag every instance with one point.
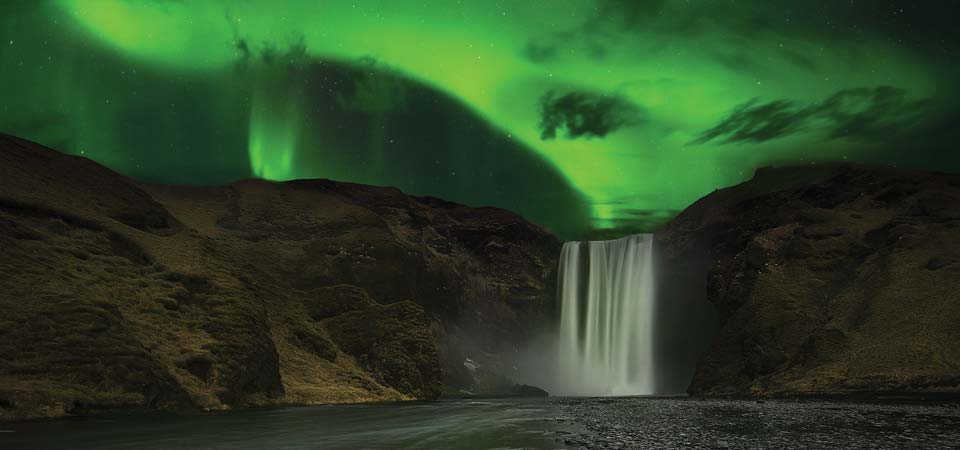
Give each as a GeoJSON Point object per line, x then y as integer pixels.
{"type": "Point", "coordinates": [582, 115]}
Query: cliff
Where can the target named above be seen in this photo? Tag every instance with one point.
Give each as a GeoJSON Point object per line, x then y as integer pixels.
{"type": "Point", "coordinates": [825, 280]}
{"type": "Point", "coordinates": [118, 295]}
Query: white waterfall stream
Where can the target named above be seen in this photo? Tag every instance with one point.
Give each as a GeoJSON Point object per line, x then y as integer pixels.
{"type": "Point", "coordinates": [606, 290]}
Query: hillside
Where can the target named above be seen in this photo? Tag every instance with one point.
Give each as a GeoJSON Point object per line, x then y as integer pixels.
{"type": "Point", "coordinates": [826, 280]}
{"type": "Point", "coordinates": [118, 295]}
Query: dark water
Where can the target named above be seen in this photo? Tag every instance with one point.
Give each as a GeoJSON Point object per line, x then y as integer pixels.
{"type": "Point", "coordinates": [433, 425]}
{"type": "Point", "coordinates": [573, 423]}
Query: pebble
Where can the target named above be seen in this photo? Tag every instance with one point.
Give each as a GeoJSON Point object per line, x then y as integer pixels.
{"type": "Point", "coordinates": [642, 423]}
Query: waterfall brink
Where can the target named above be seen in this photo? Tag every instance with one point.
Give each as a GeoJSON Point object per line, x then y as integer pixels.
{"type": "Point", "coordinates": [606, 331]}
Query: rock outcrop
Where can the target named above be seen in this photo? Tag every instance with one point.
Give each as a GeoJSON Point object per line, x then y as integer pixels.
{"type": "Point", "coordinates": [825, 280]}
{"type": "Point", "coordinates": [118, 295]}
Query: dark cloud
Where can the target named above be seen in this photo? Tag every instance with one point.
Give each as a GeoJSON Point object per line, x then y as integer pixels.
{"type": "Point", "coordinates": [539, 52]}
{"type": "Point", "coordinates": [374, 88]}
{"type": "Point", "coordinates": [799, 59]}
{"type": "Point", "coordinates": [584, 114]}
{"type": "Point", "coordinates": [243, 48]}
{"type": "Point", "coordinates": [861, 113]}
{"type": "Point", "coordinates": [295, 51]}
{"type": "Point", "coordinates": [595, 34]}
{"type": "Point", "coordinates": [876, 113]}
{"type": "Point", "coordinates": [925, 27]}
{"type": "Point", "coordinates": [757, 123]}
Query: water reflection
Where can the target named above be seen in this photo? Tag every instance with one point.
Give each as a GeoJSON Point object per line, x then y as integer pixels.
{"type": "Point", "coordinates": [497, 424]}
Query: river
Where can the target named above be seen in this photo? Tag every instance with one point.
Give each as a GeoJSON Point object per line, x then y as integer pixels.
{"type": "Point", "coordinates": [552, 423]}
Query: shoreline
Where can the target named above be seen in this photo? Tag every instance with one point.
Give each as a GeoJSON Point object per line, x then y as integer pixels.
{"type": "Point", "coordinates": [878, 398]}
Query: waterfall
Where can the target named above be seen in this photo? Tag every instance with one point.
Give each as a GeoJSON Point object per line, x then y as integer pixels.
{"type": "Point", "coordinates": [606, 331]}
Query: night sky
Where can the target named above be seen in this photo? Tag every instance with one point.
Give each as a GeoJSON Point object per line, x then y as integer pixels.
{"type": "Point", "coordinates": [588, 117]}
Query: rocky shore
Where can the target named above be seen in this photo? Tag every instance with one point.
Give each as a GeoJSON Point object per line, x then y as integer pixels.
{"type": "Point", "coordinates": [650, 423]}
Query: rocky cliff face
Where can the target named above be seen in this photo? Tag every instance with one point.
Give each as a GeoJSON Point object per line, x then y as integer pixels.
{"type": "Point", "coordinates": [121, 295]}
{"type": "Point", "coordinates": [825, 280]}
